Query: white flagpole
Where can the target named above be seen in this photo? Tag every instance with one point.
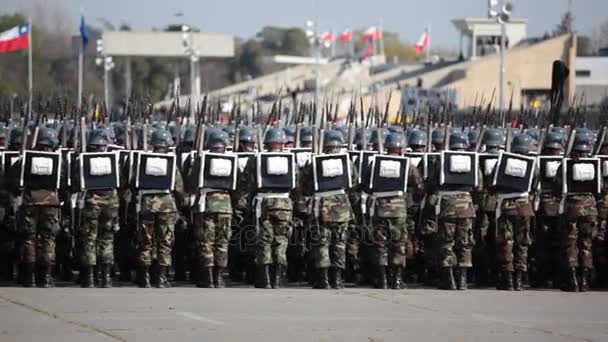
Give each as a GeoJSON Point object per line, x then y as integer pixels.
{"type": "Point", "coordinates": [381, 40]}
{"type": "Point", "coordinates": [29, 69]}
{"type": "Point", "coordinates": [80, 67]}
{"type": "Point", "coordinates": [428, 49]}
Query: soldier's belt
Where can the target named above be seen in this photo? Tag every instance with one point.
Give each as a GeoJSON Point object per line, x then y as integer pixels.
{"type": "Point", "coordinates": [202, 201]}
{"type": "Point", "coordinates": [501, 197]}
{"type": "Point", "coordinates": [319, 195]}
{"type": "Point", "coordinates": [378, 195]}
{"type": "Point", "coordinates": [260, 197]}
{"type": "Point", "coordinates": [442, 194]}
{"type": "Point", "coordinates": [142, 193]}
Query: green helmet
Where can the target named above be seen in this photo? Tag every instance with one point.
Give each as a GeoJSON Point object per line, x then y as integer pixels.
{"type": "Point", "coordinates": [290, 134]}
{"type": "Point", "coordinates": [275, 136]}
{"type": "Point", "coordinates": [175, 133]}
{"type": "Point", "coordinates": [522, 143]}
{"type": "Point", "coordinates": [98, 137]}
{"type": "Point", "coordinates": [394, 140]}
{"type": "Point", "coordinates": [247, 134]}
{"type": "Point", "coordinates": [217, 139]}
{"type": "Point", "coordinates": [306, 134]}
{"type": "Point", "coordinates": [161, 138]}
{"type": "Point", "coordinates": [583, 142]}
{"type": "Point", "coordinates": [534, 133]}
{"type": "Point", "coordinates": [395, 129]}
{"type": "Point", "coordinates": [229, 130]}
{"type": "Point", "coordinates": [459, 140]}
{"type": "Point", "coordinates": [189, 135]}
{"type": "Point", "coordinates": [374, 136]}
{"type": "Point", "coordinates": [16, 135]}
{"type": "Point", "coordinates": [417, 138]}
{"type": "Point", "coordinates": [554, 140]}
{"type": "Point", "coordinates": [333, 137]}
{"type": "Point", "coordinates": [473, 136]}
{"type": "Point", "coordinates": [437, 136]}
{"type": "Point", "coordinates": [48, 137]}
{"type": "Point", "coordinates": [493, 137]}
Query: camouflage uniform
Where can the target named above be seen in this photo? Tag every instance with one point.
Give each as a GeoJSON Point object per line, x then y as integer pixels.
{"type": "Point", "coordinates": [600, 252]}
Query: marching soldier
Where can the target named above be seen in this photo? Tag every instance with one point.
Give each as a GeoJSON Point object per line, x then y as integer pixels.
{"type": "Point", "coordinates": [96, 232]}
{"type": "Point", "coordinates": [600, 248]}
{"type": "Point", "coordinates": [157, 219]}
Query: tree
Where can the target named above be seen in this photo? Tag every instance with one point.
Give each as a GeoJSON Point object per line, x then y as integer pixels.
{"type": "Point", "coordinates": [566, 25]}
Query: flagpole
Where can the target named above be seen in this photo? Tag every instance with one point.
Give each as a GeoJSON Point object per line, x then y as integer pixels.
{"type": "Point", "coordinates": [80, 67]}
{"type": "Point", "coordinates": [29, 70]}
{"type": "Point", "coordinates": [428, 49]}
{"type": "Point", "coordinates": [381, 40]}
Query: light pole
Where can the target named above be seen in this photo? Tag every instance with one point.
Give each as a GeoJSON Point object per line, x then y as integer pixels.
{"type": "Point", "coordinates": [502, 18]}
{"type": "Point", "coordinates": [108, 65]}
{"type": "Point", "coordinates": [191, 51]}
{"type": "Point", "coordinates": [312, 33]}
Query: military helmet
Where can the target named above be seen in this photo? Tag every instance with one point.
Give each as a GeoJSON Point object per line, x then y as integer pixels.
{"type": "Point", "coordinates": [395, 129]}
{"type": "Point", "coordinates": [229, 130]}
{"type": "Point", "coordinates": [583, 142]}
{"type": "Point", "coordinates": [47, 136]}
{"type": "Point", "coordinates": [459, 140]}
{"type": "Point", "coordinates": [342, 129]}
{"type": "Point", "coordinates": [189, 135]}
{"type": "Point", "coordinates": [358, 141]}
{"type": "Point", "coordinates": [554, 140]}
{"type": "Point", "coordinates": [374, 136]}
{"type": "Point", "coordinates": [394, 140]}
{"type": "Point", "coordinates": [161, 137]}
{"type": "Point", "coordinates": [437, 136]}
{"type": "Point", "coordinates": [522, 143]}
{"type": "Point", "coordinates": [417, 138]}
{"type": "Point", "coordinates": [217, 139]}
{"type": "Point", "coordinates": [98, 137]}
{"type": "Point", "coordinates": [16, 135]}
{"type": "Point", "coordinates": [493, 137]}
{"type": "Point", "coordinates": [290, 134]}
{"type": "Point", "coordinates": [333, 137]}
{"type": "Point", "coordinates": [534, 133]}
{"type": "Point", "coordinates": [275, 136]}
{"type": "Point", "coordinates": [306, 134]}
{"type": "Point", "coordinates": [560, 130]}
{"type": "Point", "coordinates": [3, 132]}
{"type": "Point", "coordinates": [473, 136]}
{"type": "Point", "coordinates": [247, 134]}
{"type": "Point", "coordinates": [175, 133]}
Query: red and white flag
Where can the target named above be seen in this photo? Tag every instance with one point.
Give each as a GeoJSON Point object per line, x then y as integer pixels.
{"type": "Point", "coordinates": [423, 43]}
{"type": "Point", "coordinates": [346, 36]}
{"type": "Point", "coordinates": [372, 33]}
{"type": "Point", "coordinates": [327, 37]}
{"type": "Point", "coordinates": [14, 39]}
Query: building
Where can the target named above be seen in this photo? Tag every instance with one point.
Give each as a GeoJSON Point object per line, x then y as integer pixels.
{"type": "Point", "coordinates": [592, 78]}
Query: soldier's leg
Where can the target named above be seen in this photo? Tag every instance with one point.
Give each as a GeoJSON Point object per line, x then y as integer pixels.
{"type": "Point", "coordinates": [504, 252]}
{"type": "Point", "coordinates": [354, 247]}
{"type": "Point", "coordinates": [203, 233]}
{"type": "Point", "coordinates": [521, 242]}
{"type": "Point", "coordinates": [431, 250]}
{"type": "Point", "coordinates": [397, 250]}
{"type": "Point", "coordinates": [539, 252]}
{"type": "Point", "coordinates": [464, 243]}
{"type": "Point", "coordinates": [7, 245]}
{"type": "Point", "coordinates": [28, 218]}
{"type": "Point", "coordinates": [600, 255]}
{"type": "Point", "coordinates": [48, 228]}
{"type": "Point", "coordinates": [145, 238]}
{"type": "Point", "coordinates": [105, 244]}
{"type": "Point", "coordinates": [481, 264]}
{"type": "Point", "coordinates": [570, 254]}
{"type": "Point", "coordinates": [180, 250]}
{"type": "Point", "coordinates": [447, 258]}
{"type": "Point", "coordinates": [380, 235]}
{"type": "Point", "coordinates": [320, 236]}
{"type": "Point", "coordinates": [296, 250]}
{"type": "Point", "coordinates": [554, 257]}
{"type": "Point", "coordinates": [490, 250]}
{"type": "Point", "coordinates": [220, 247]}
{"type": "Point", "coordinates": [165, 238]}
{"type": "Point", "coordinates": [87, 237]}
{"type": "Point", "coordinates": [263, 253]}
{"type": "Point", "coordinates": [337, 252]}
{"type": "Point", "coordinates": [587, 231]}
{"type": "Point", "coordinates": [281, 235]}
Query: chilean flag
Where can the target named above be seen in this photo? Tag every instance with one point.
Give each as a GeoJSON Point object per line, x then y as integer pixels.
{"type": "Point", "coordinates": [423, 43]}
{"type": "Point", "coordinates": [346, 36]}
{"type": "Point", "coordinates": [17, 38]}
{"type": "Point", "coordinates": [372, 33]}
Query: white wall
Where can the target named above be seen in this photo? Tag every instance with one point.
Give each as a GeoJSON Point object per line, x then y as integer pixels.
{"type": "Point", "coordinates": [598, 66]}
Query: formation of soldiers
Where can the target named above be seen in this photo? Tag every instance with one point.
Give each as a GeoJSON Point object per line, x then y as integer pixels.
{"type": "Point", "coordinates": [382, 206]}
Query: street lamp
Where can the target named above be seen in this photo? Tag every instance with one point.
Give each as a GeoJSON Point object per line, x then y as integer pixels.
{"type": "Point", "coordinates": [108, 65]}
{"type": "Point", "coordinates": [502, 14]}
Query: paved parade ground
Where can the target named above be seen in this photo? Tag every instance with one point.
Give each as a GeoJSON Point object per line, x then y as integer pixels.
{"type": "Point", "coordinates": [69, 314]}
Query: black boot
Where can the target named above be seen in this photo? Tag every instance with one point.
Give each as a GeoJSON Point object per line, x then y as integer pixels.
{"type": "Point", "coordinates": [570, 283]}
{"type": "Point", "coordinates": [28, 276]}
{"type": "Point", "coordinates": [396, 278]}
{"type": "Point", "coordinates": [106, 276]}
{"type": "Point", "coordinates": [462, 278]}
{"type": "Point", "coordinates": [180, 272]}
{"type": "Point", "coordinates": [583, 285]}
{"type": "Point", "coordinates": [447, 279]}
{"type": "Point", "coordinates": [507, 281]}
{"type": "Point", "coordinates": [336, 278]}
{"type": "Point", "coordinates": [277, 274]}
{"type": "Point", "coordinates": [86, 277]}
{"type": "Point", "coordinates": [263, 277]}
{"type": "Point", "coordinates": [322, 280]}
{"type": "Point", "coordinates": [205, 278]}
{"type": "Point", "coordinates": [382, 282]}
{"type": "Point", "coordinates": [518, 281]}
{"type": "Point", "coordinates": [219, 277]}
{"type": "Point", "coordinates": [143, 277]}
{"type": "Point", "coordinates": [162, 281]}
{"type": "Point", "coordinates": [46, 277]}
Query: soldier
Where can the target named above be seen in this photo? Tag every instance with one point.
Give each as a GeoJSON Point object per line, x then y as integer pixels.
{"type": "Point", "coordinates": [455, 222]}
{"type": "Point", "coordinates": [544, 252]}
{"type": "Point", "coordinates": [390, 234]}
{"type": "Point", "coordinates": [39, 222]}
{"type": "Point", "coordinates": [437, 138]}
{"type": "Point", "coordinates": [600, 252]}
{"type": "Point", "coordinates": [417, 141]}
{"type": "Point", "coordinates": [580, 225]}
{"type": "Point", "coordinates": [513, 228]}
{"type": "Point", "coordinates": [212, 224]}
{"type": "Point", "coordinates": [157, 219]}
{"type": "Point", "coordinates": [96, 232]}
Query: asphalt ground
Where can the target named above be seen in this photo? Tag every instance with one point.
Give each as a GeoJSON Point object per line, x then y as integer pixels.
{"type": "Point", "coordinates": [185, 313]}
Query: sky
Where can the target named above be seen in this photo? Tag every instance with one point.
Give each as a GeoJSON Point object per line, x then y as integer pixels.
{"type": "Point", "coordinates": [244, 18]}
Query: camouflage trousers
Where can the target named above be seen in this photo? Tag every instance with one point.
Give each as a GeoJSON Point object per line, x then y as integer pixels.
{"type": "Point", "coordinates": [211, 233]}
{"type": "Point", "coordinates": [96, 235]}
{"type": "Point", "coordinates": [154, 238]}
{"type": "Point", "coordinates": [328, 243]}
{"type": "Point", "coordinates": [577, 238]}
{"type": "Point", "coordinates": [544, 251]}
{"type": "Point", "coordinates": [512, 242]}
{"type": "Point", "coordinates": [390, 237]}
{"type": "Point", "coordinates": [455, 240]}
{"type": "Point", "coordinates": [600, 248]}
{"type": "Point", "coordinates": [272, 239]}
{"type": "Point", "coordinates": [39, 226]}
{"type": "Point", "coordinates": [297, 247]}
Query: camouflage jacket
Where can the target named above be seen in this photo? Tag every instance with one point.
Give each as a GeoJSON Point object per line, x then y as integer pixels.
{"type": "Point", "coordinates": [165, 202]}
{"type": "Point", "coordinates": [268, 204]}
{"type": "Point", "coordinates": [102, 199]}
{"type": "Point", "coordinates": [396, 206]}
{"type": "Point", "coordinates": [602, 205]}
{"type": "Point", "coordinates": [42, 197]}
{"type": "Point", "coordinates": [576, 204]}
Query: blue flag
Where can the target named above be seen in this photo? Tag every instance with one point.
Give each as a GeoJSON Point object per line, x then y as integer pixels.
{"type": "Point", "coordinates": [84, 33]}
